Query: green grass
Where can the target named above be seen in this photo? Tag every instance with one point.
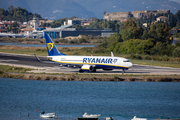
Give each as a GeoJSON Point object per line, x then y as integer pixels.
{"type": "Point", "coordinates": [24, 52]}
{"type": "Point", "coordinates": [156, 63]}
{"type": "Point", "coordinates": [7, 68]}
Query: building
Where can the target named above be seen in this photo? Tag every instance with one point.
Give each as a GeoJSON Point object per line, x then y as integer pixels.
{"type": "Point", "coordinates": [67, 30]}
{"type": "Point", "coordinates": [162, 19]}
{"type": "Point", "coordinates": [72, 22]}
{"type": "Point", "coordinates": [35, 20]}
{"type": "Point", "coordinates": [136, 14]}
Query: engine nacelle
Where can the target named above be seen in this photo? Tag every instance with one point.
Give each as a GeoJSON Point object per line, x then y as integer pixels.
{"type": "Point", "coordinates": [88, 68]}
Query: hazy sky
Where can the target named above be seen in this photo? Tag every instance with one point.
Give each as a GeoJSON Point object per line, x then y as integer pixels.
{"type": "Point", "coordinates": [176, 0]}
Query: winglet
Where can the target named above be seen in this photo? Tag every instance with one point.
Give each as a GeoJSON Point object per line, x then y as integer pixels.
{"type": "Point", "coordinates": [37, 58]}
{"type": "Point", "coordinates": [112, 55]}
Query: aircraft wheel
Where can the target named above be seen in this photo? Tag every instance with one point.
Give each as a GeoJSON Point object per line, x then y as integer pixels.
{"type": "Point", "coordinates": [81, 71]}
{"type": "Point", "coordinates": [94, 70]}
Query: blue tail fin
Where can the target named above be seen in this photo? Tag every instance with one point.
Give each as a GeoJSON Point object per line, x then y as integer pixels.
{"type": "Point", "coordinates": [51, 48]}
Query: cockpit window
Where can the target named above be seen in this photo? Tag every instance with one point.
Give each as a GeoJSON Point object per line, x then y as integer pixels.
{"type": "Point", "coordinates": [126, 61]}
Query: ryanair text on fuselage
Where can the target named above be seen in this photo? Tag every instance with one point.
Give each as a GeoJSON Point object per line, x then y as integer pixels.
{"type": "Point", "coordinates": [100, 60]}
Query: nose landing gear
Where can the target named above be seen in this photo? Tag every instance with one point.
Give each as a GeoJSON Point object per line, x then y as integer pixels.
{"type": "Point", "coordinates": [124, 70]}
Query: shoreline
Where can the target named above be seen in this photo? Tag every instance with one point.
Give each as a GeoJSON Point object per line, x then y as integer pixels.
{"type": "Point", "coordinates": [91, 77]}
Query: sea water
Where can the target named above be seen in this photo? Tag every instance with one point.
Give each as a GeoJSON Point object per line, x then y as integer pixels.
{"type": "Point", "coordinates": [26, 99]}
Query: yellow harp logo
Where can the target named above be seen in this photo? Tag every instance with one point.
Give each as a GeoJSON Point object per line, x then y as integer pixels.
{"type": "Point", "coordinates": [50, 46]}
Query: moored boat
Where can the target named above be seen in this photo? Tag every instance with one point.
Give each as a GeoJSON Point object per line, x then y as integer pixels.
{"type": "Point", "coordinates": [135, 118]}
{"type": "Point", "coordinates": [91, 116]}
{"type": "Point", "coordinates": [48, 115]}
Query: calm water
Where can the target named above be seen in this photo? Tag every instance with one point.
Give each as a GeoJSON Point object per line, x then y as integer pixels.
{"type": "Point", "coordinates": [70, 99]}
{"type": "Point", "coordinates": [43, 45]}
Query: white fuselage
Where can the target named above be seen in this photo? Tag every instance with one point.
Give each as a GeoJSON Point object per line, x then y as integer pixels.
{"type": "Point", "coordinates": [95, 61]}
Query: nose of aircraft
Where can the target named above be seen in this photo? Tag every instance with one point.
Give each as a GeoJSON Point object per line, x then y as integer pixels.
{"type": "Point", "coordinates": [130, 64]}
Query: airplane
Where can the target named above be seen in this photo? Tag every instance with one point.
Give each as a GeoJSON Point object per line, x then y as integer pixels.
{"type": "Point", "coordinates": [85, 63]}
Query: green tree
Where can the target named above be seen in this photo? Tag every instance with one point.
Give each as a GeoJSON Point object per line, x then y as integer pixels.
{"type": "Point", "coordinates": [132, 26]}
{"type": "Point", "coordinates": [178, 43]}
{"type": "Point", "coordinates": [162, 49]}
{"type": "Point", "coordinates": [126, 34]}
{"type": "Point", "coordinates": [160, 32]}
{"type": "Point", "coordinates": [176, 52]}
{"type": "Point", "coordinates": [133, 46]}
{"type": "Point", "coordinates": [172, 20]}
{"type": "Point", "coordinates": [177, 15]}
{"type": "Point", "coordinates": [16, 14]}
{"type": "Point", "coordinates": [114, 38]}
{"type": "Point", "coordinates": [14, 27]}
{"type": "Point", "coordinates": [145, 34]}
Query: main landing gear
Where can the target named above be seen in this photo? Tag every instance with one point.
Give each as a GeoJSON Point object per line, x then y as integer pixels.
{"type": "Point", "coordinates": [92, 70]}
{"type": "Point", "coordinates": [124, 70]}
{"type": "Point", "coordinates": [81, 71]}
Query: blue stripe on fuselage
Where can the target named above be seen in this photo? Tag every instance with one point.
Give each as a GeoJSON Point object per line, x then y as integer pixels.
{"type": "Point", "coordinates": [109, 67]}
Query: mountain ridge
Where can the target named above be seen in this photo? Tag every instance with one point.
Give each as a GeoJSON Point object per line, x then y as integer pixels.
{"type": "Point", "coordinates": [87, 8]}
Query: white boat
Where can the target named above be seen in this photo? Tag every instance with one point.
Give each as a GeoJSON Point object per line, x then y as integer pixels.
{"type": "Point", "coordinates": [135, 118]}
{"type": "Point", "coordinates": [91, 116]}
{"type": "Point", "coordinates": [48, 115]}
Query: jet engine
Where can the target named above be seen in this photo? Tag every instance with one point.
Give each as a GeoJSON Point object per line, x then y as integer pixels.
{"type": "Point", "coordinates": [88, 68]}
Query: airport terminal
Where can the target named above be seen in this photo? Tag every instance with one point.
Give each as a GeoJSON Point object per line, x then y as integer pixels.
{"type": "Point", "coordinates": [67, 30]}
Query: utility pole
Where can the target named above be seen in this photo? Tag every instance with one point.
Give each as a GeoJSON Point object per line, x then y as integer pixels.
{"type": "Point", "coordinates": [0, 25]}
{"type": "Point", "coordinates": [29, 27]}
{"type": "Point", "coordinates": [19, 25]}
{"type": "Point", "coordinates": [9, 25]}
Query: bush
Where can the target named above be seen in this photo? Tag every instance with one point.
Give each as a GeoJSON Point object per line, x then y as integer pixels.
{"type": "Point", "coordinates": [135, 56]}
{"type": "Point", "coordinates": [147, 57]}
{"type": "Point", "coordinates": [132, 56]}
{"type": "Point", "coordinates": [82, 40]}
{"type": "Point", "coordinates": [1, 72]}
{"type": "Point", "coordinates": [38, 50]}
{"type": "Point", "coordinates": [132, 46]}
{"type": "Point", "coordinates": [63, 41]}
{"type": "Point", "coordinates": [178, 43]}
{"type": "Point", "coordinates": [176, 52]}
{"type": "Point", "coordinates": [138, 57]}
{"type": "Point", "coordinates": [165, 58]}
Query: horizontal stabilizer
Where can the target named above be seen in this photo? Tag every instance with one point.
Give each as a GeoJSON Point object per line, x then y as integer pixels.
{"type": "Point", "coordinates": [37, 58]}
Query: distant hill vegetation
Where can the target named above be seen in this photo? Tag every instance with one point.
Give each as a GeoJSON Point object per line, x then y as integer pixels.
{"type": "Point", "coordinates": [57, 9]}
{"type": "Point", "coordinates": [17, 14]}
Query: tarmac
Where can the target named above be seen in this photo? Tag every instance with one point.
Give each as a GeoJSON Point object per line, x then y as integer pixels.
{"type": "Point", "coordinates": [29, 61]}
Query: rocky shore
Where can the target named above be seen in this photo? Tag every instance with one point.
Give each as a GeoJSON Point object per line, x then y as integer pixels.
{"type": "Point", "coordinates": [92, 77]}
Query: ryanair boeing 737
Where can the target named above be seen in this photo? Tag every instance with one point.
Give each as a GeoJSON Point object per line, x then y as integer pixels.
{"type": "Point", "coordinates": [85, 63]}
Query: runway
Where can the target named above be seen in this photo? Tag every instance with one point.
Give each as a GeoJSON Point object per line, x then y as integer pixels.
{"type": "Point", "coordinates": [31, 62]}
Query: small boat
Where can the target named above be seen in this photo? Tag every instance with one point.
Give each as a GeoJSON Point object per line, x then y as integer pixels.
{"type": "Point", "coordinates": [91, 116]}
{"type": "Point", "coordinates": [135, 118]}
{"type": "Point", "coordinates": [48, 115]}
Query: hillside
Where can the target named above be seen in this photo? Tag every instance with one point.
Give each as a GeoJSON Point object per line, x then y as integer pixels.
{"type": "Point", "coordinates": [57, 9]}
